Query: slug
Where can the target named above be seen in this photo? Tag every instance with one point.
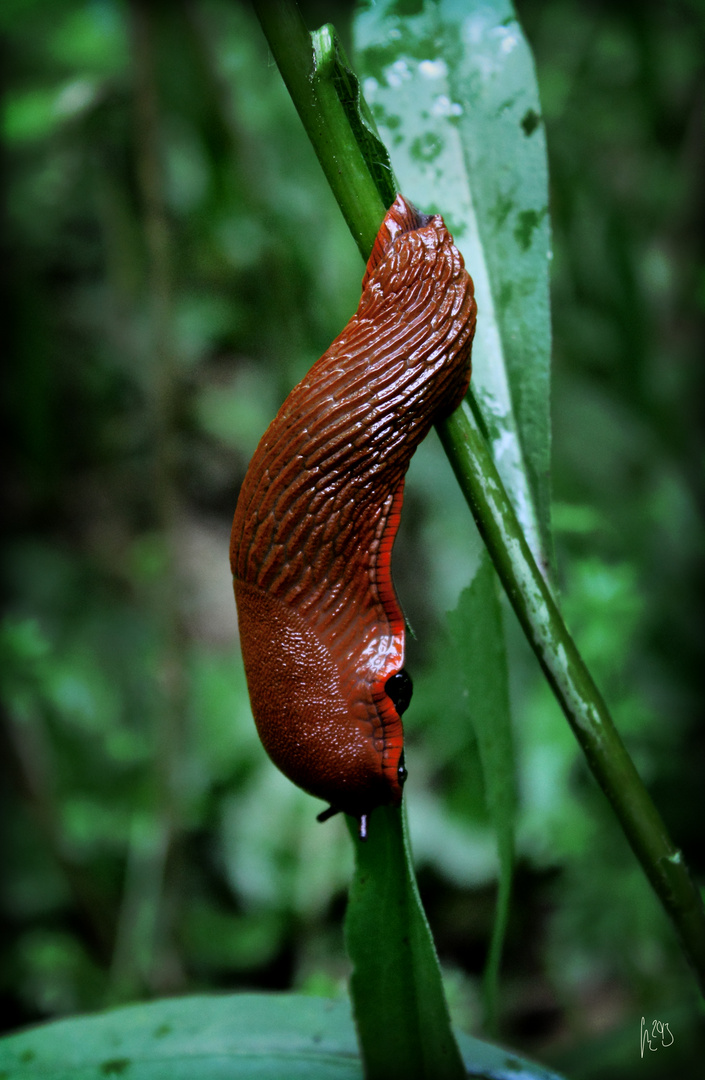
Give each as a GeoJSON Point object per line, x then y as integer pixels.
{"type": "Point", "coordinates": [321, 629]}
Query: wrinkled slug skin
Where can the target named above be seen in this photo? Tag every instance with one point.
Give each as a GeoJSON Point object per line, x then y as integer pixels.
{"type": "Point", "coordinates": [320, 625]}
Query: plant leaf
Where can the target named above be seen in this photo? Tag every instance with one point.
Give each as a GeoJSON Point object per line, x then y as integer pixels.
{"type": "Point", "coordinates": [210, 1038]}
{"type": "Point", "coordinates": [478, 642]}
{"type": "Point", "coordinates": [233, 1037]}
{"type": "Point", "coordinates": [396, 986]}
{"type": "Point", "coordinates": [454, 94]}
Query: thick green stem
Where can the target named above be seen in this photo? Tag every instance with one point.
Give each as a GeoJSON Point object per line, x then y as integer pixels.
{"type": "Point", "coordinates": [330, 132]}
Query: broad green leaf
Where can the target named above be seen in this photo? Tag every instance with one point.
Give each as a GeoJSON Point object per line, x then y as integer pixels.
{"type": "Point", "coordinates": [396, 985]}
{"type": "Point", "coordinates": [234, 1037]}
{"type": "Point", "coordinates": [453, 91]}
{"type": "Point", "coordinates": [478, 643]}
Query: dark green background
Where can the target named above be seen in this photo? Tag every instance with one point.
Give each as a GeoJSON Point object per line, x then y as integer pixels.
{"type": "Point", "coordinates": [149, 848]}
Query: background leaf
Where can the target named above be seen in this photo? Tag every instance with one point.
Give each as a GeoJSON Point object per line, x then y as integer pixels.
{"type": "Point", "coordinates": [478, 645]}
{"type": "Point", "coordinates": [454, 94]}
{"type": "Point", "coordinates": [237, 1037]}
{"type": "Point", "coordinates": [453, 90]}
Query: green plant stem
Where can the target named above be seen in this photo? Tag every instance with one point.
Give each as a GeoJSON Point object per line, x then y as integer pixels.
{"type": "Point", "coordinates": [302, 62]}
{"type": "Point", "coordinates": [572, 683]}
{"type": "Point", "coordinates": [329, 129]}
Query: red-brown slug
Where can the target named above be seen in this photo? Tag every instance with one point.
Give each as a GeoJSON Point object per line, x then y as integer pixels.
{"type": "Point", "coordinates": [321, 629]}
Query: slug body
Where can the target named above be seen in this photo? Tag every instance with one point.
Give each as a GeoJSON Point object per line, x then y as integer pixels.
{"type": "Point", "coordinates": [321, 629]}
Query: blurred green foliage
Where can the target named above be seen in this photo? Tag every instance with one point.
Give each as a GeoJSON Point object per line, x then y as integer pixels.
{"type": "Point", "coordinates": [149, 847]}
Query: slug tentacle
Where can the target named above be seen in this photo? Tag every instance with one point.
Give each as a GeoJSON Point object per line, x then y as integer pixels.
{"type": "Point", "coordinates": [321, 629]}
